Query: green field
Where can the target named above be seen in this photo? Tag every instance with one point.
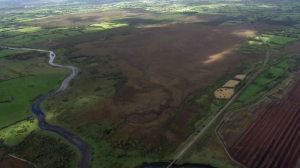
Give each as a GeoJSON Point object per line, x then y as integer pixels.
{"type": "Point", "coordinates": [262, 80]}
{"type": "Point", "coordinates": [12, 39]}
{"type": "Point", "coordinates": [71, 33]}
{"type": "Point", "coordinates": [30, 29]}
{"type": "Point", "coordinates": [286, 63]}
{"type": "Point", "coordinates": [250, 91]}
{"type": "Point", "coordinates": [231, 22]}
{"type": "Point", "coordinates": [256, 42]}
{"type": "Point", "coordinates": [6, 52]}
{"type": "Point", "coordinates": [53, 36]}
{"type": "Point", "coordinates": [106, 25]}
{"type": "Point", "coordinates": [276, 71]}
{"type": "Point", "coordinates": [279, 39]}
{"type": "Point", "coordinates": [14, 134]}
{"type": "Point", "coordinates": [19, 92]}
{"type": "Point", "coordinates": [275, 46]}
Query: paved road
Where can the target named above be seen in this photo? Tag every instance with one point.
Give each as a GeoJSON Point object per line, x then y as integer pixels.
{"type": "Point", "coordinates": [266, 60]}
{"type": "Point", "coordinates": [43, 124]}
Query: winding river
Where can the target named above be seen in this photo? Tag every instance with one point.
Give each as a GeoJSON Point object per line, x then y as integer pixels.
{"type": "Point", "coordinates": [43, 124]}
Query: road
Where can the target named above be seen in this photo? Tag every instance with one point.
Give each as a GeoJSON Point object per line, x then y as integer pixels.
{"type": "Point", "coordinates": [43, 124]}
{"type": "Point", "coordinates": [266, 60]}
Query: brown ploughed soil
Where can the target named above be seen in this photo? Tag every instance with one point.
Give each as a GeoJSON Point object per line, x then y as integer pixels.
{"type": "Point", "coordinates": [293, 47]}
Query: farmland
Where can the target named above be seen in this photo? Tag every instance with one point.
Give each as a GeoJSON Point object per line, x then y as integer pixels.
{"type": "Point", "coordinates": [268, 79]}
{"type": "Point", "coordinates": [5, 52]}
{"type": "Point", "coordinates": [148, 72]}
{"type": "Point", "coordinates": [17, 94]}
{"type": "Point", "coordinates": [265, 143]}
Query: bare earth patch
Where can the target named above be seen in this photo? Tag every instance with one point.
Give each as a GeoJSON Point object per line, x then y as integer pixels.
{"type": "Point", "coordinates": [240, 76]}
{"type": "Point", "coordinates": [293, 47]}
{"type": "Point", "coordinates": [244, 31]}
{"type": "Point", "coordinates": [224, 93]}
{"type": "Point", "coordinates": [231, 83]}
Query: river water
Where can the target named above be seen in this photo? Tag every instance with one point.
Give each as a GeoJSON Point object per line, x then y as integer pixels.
{"type": "Point", "coordinates": [70, 137]}
{"type": "Point", "coordinates": [43, 124]}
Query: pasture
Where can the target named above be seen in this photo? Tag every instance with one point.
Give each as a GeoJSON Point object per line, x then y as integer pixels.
{"type": "Point", "coordinates": [16, 133]}
{"type": "Point", "coordinates": [262, 80]}
{"type": "Point", "coordinates": [276, 72]}
{"type": "Point", "coordinates": [279, 39]}
{"type": "Point", "coordinates": [6, 52]}
{"type": "Point", "coordinates": [250, 92]}
{"type": "Point", "coordinates": [19, 93]}
{"type": "Point", "coordinates": [286, 63]}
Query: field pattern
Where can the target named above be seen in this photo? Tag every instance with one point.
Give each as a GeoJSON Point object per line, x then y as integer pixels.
{"type": "Point", "coordinates": [272, 140]}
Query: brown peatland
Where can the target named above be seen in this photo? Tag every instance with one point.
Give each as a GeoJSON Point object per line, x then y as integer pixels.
{"type": "Point", "coordinates": [163, 65]}
{"type": "Point", "coordinates": [87, 18]}
{"type": "Point", "coordinates": [180, 58]}
{"type": "Point", "coordinates": [260, 26]}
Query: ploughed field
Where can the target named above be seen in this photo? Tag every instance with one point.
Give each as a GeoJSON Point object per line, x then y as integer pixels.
{"type": "Point", "coordinates": [272, 140]}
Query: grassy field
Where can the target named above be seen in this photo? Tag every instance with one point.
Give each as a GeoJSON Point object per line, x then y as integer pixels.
{"type": "Point", "coordinates": [274, 46]}
{"type": "Point", "coordinates": [286, 63]}
{"type": "Point", "coordinates": [276, 71]}
{"type": "Point", "coordinates": [279, 39]}
{"type": "Point", "coordinates": [250, 92]}
{"type": "Point", "coordinates": [18, 94]}
{"type": "Point", "coordinates": [27, 64]}
{"type": "Point", "coordinates": [16, 133]}
{"type": "Point", "coordinates": [231, 22]}
{"type": "Point", "coordinates": [108, 25]}
{"type": "Point", "coordinates": [25, 76]}
{"type": "Point", "coordinates": [264, 82]}
{"type": "Point", "coordinates": [256, 42]}
{"type": "Point", "coordinates": [261, 80]}
{"type": "Point", "coordinates": [30, 29]}
{"type": "Point", "coordinates": [6, 52]}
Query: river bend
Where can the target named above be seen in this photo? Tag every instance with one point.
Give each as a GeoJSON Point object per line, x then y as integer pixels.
{"type": "Point", "coordinates": [43, 124]}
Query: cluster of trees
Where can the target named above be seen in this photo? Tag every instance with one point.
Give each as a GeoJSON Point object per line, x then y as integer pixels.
{"type": "Point", "coordinates": [126, 143]}
{"type": "Point", "coordinates": [252, 49]}
{"type": "Point", "coordinates": [26, 55]}
{"type": "Point", "coordinates": [42, 150]}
